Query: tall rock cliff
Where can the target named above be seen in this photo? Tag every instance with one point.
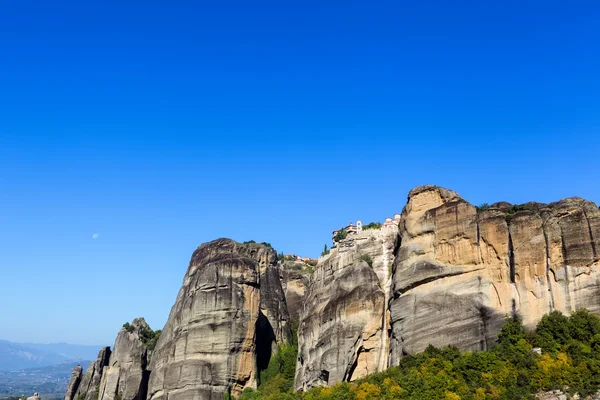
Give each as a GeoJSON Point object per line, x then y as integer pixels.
{"type": "Point", "coordinates": [459, 270]}
{"type": "Point", "coordinates": [295, 277]}
{"type": "Point", "coordinates": [126, 377]}
{"type": "Point", "coordinates": [447, 274]}
{"type": "Point", "coordinates": [226, 322]}
{"type": "Point", "coordinates": [74, 383]}
{"type": "Point", "coordinates": [89, 386]}
{"type": "Point", "coordinates": [456, 273]}
{"type": "Point", "coordinates": [343, 333]}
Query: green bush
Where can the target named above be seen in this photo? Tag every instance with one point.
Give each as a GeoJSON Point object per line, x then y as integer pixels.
{"type": "Point", "coordinates": [341, 235]}
{"type": "Point", "coordinates": [372, 225]}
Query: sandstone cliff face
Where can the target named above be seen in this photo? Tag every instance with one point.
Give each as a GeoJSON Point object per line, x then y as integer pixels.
{"type": "Point", "coordinates": [295, 278]}
{"type": "Point", "coordinates": [459, 271]}
{"type": "Point", "coordinates": [227, 319]}
{"type": "Point", "coordinates": [344, 322]}
{"type": "Point", "coordinates": [90, 382]}
{"type": "Point", "coordinates": [125, 377]}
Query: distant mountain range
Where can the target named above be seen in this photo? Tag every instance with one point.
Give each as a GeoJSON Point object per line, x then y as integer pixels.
{"type": "Point", "coordinates": [17, 356]}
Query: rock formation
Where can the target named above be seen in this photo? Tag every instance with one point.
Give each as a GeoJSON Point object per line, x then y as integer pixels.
{"type": "Point", "coordinates": [343, 334]}
{"type": "Point", "coordinates": [90, 382]}
{"type": "Point", "coordinates": [448, 274]}
{"type": "Point", "coordinates": [295, 276]}
{"type": "Point", "coordinates": [126, 377]}
{"type": "Point", "coordinates": [459, 270]}
{"type": "Point", "coordinates": [35, 396]}
{"type": "Point", "coordinates": [74, 383]}
{"type": "Point", "coordinates": [227, 320]}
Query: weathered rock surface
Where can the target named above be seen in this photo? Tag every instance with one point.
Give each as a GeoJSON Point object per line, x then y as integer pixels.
{"type": "Point", "coordinates": [460, 271]}
{"type": "Point", "coordinates": [295, 277]}
{"type": "Point", "coordinates": [126, 377]}
{"type": "Point", "coordinates": [74, 382]}
{"type": "Point", "coordinates": [227, 319]}
{"type": "Point", "coordinates": [559, 395]}
{"type": "Point", "coordinates": [343, 333]}
{"type": "Point", "coordinates": [90, 382]}
{"type": "Point", "coordinates": [35, 396]}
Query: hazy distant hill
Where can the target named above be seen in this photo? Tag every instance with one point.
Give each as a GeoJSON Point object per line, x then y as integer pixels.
{"type": "Point", "coordinates": [69, 351]}
{"type": "Point", "coordinates": [51, 381]}
{"type": "Point", "coordinates": [15, 356]}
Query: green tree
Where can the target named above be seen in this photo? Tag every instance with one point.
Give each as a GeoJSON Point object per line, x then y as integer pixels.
{"type": "Point", "coordinates": [341, 235]}
{"type": "Point", "coordinates": [552, 332]}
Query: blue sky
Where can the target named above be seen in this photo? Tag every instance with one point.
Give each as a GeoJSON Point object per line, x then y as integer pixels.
{"type": "Point", "coordinates": [163, 125]}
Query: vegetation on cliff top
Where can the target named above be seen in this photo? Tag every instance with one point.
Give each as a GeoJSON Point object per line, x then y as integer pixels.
{"type": "Point", "coordinates": [372, 225]}
{"type": "Point", "coordinates": [570, 361]}
{"type": "Point", "coordinates": [147, 335]}
{"type": "Point", "coordinates": [341, 235]}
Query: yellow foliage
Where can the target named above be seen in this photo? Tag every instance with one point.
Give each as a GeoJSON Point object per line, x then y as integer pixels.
{"type": "Point", "coordinates": [392, 389]}
{"type": "Point", "coordinates": [368, 391]}
{"type": "Point", "coordinates": [452, 396]}
{"type": "Point", "coordinates": [328, 391]}
{"type": "Point", "coordinates": [480, 394]}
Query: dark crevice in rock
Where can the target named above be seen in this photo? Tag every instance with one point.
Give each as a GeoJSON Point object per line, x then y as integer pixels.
{"type": "Point", "coordinates": [265, 337]}
{"type": "Point", "coordinates": [424, 281]}
{"type": "Point", "coordinates": [485, 318]}
{"type": "Point", "coordinates": [594, 249]}
{"type": "Point", "coordinates": [350, 371]}
{"type": "Point", "coordinates": [548, 281]}
{"type": "Point", "coordinates": [511, 257]}
{"type": "Point", "coordinates": [565, 266]}
{"type": "Point", "coordinates": [143, 392]}
{"type": "Point", "coordinates": [251, 283]}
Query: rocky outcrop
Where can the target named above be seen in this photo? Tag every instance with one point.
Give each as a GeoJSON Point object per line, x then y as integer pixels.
{"type": "Point", "coordinates": [459, 270]}
{"type": "Point", "coordinates": [227, 320]}
{"type": "Point", "coordinates": [295, 277]}
{"type": "Point", "coordinates": [89, 387]}
{"type": "Point", "coordinates": [74, 383]}
{"type": "Point", "coordinates": [343, 333]}
{"type": "Point", "coordinates": [560, 395]}
{"type": "Point", "coordinates": [126, 377]}
{"type": "Point", "coordinates": [35, 396]}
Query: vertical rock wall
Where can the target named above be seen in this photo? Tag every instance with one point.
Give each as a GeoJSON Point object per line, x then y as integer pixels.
{"type": "Point", "coordinates": [459, 271]}
{"type": "Point", "coordinates": [226, 321]}
{"type": "Point", "coordinates": [343, 333]}
{"type": "Point", "coordinates": [89, 388]}
{"type": "Point", "coordinates": [125, 377]}
{"type": "Point", "coordinates": [74, 383]}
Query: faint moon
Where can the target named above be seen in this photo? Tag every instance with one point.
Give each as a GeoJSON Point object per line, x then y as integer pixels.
{"type": "Point", "coordinates": [95, 236]}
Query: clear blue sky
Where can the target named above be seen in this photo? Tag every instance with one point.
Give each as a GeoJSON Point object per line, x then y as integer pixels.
{"type": "Point", "coordinates": [162, 125]}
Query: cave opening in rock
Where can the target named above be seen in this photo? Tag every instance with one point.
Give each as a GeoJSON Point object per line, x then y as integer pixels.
{"type": "Point", "coordinates": [265, 338]}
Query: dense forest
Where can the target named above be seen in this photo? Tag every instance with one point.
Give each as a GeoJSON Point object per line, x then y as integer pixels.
{"type": "Point", "coordinates": [561, 353]}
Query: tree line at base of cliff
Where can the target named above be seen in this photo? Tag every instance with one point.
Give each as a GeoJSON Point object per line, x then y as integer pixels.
{"type": "Point", "coordinates": [561, 353]}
